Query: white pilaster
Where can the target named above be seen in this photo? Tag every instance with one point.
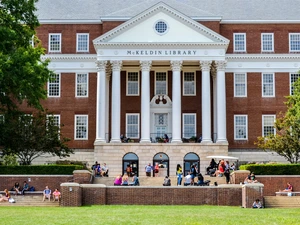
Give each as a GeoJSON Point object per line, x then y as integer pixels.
{"type": "Point", "coordinates": [215, 108]}
{"type": "Point", "coordinates": [116, 101]}
{"type": "Point", "coordinates": [206, 102]}
{"type": "Point", "coordinates": [145, 101]}
{"type": "Point", "coordinates": [221, 102]}
{"type": "Point", "coordinates": [101, 100]}
{"type": "Point", "coordinates": [176, 102]}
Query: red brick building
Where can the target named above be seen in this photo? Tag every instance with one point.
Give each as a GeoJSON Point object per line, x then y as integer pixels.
{"type": "Point", "coordinates": [215, 71]}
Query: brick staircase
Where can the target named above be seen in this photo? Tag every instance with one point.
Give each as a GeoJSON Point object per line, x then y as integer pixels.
{"type": "Point", "coordinates": [155, 181]}
{"type": "Point", "coordinates": [282, 201]}
{"type": "Point", "coordinates": [30, 200]}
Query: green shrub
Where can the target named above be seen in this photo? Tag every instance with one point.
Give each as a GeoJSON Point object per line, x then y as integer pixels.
{"type": "Point", "coordinates": [272, 169]}
{"type": "Point", "coordinates": [41, 169]}
{"type": "Point", "coordinates": [70, 162]}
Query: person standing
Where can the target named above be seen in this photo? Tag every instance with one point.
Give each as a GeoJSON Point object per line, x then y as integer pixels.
{"type": "Point", "coordinates": [179, 174]}
{"type": "Point", "coordinates": [148, 170]}
{"type": "Point", "coordinates": [156, 170]}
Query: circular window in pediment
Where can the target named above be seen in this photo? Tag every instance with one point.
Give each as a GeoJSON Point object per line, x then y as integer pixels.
{"type": "Point", "coordinates": [161, 27]}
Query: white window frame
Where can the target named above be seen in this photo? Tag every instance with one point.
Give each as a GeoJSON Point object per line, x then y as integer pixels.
{"type": "Point", "coordinates": [166, 82]}
{"type": "Point", "coordinates": [235, 83]}
{"type": "Point", "coordinates": [87, 85]}
{"type": "Point", "coordinates": [241, 125]}
{"type": "Point", "coordinates": [262, 42]}
{"type": "Point", "coordinates": [291, 82]}
{"type": "Point", "coordinates": [138, 83]}
{"type": "Point", "coordinates": [263, 84]}
{"type": "Point", "coordinates": [290, 43]}
{"type": "Point", "coordinates": [184, 135]}
{"type": "Point", "coordinates": [55, 116]}
{"type": "Point", "coordinates": [138, 125]}
{"type": "Point", "coordinates": [50, 84]}
{"type": "Point", "coordinates": [77, 42]}
{"type": "Point", "coordinates": [49, 42]}
{"type": "Point", "coordinates": [234, 42]}
{"type": "Point", "coordinates": [86, 126]}
{"type": "Point", "coordinates": [263, 122]}
{"type": "Point", "coordinates": [183, 82]}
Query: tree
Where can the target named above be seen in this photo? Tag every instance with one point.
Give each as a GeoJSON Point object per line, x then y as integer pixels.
{"type": "Point", "coordinates": [29, 137]}
{"type": "Point", "coordinates": [286, 141]}
{"type": "Point", "coordinates": [23, 74]}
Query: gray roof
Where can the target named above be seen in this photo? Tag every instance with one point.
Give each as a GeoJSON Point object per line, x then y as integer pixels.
{"type": "Point", "coordinates": [228, 10]}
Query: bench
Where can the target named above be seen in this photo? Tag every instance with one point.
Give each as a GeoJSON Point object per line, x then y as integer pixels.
{"type": "Point", "coordinates": [286, 193]}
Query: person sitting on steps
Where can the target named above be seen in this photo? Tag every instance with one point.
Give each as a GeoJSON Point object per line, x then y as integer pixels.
{"type": "Point", "coordinates": [47, 193]}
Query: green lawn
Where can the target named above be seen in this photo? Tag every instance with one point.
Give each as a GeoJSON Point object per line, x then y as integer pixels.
{"type": "Point", "coordinates": [153, 215]}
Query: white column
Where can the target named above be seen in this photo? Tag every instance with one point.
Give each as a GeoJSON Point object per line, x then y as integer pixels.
{"type": "Point", "coordinates": [101, 101]}
{"type": "Point", "coordinates": [215, 108]}
{"type": "Point", "coordinates": [206, 103]}
{"type": "Point", "coordinates": [145, 101]}
{"type": "Point", "coordinates": [221, 102]}
{"type": "Point", "coordinates": [176, 102]}
{"type": "Point", "coordinates": [108, 75]}
{"type": "Point", "coordinates": [116, 101]}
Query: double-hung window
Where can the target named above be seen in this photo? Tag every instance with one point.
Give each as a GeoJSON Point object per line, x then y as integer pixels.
{"type": "Point", "coordinates": [132, 125]}
{"type": "Point", "coordinates": [54, 86]}
{"type": "Point", "coordinates": [55, 42]}
{"type": "Point", "coordinates": [267, 42]}
{"type": "Point", "coordinates": [294, 42]}
{"type": "Point", "coordinates": [81, 127]}
{"type": "Point", "coordinates": [240, 127]}
{"type": "Point", "coordinates": [239, 42]}
{"type": "Point", "coordinates": [133, 83]}
{"type": "Point", "coordinates": [161, 83]}
{"type": "Point", "coordinates": [189, 83]}
{"type": "Point", "coordinates": [189, 125]}
{"type": "Point", "coordinates": [268, 125]}
{"type": "Point", "coordinates": [293, 77]}
{"type": "Point", "coordinates": [82, 84]}
{"type": "Point", "coordinates": [82, 44]}
{"type": "Point", "coordinates": [268, 86]}
{"type": "Point", "coordinates": [240, 85]}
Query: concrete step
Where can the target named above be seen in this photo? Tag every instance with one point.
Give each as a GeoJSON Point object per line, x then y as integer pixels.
{"type": "Point", "coordinates": [30, 200]}
{"type": "Point", "coordinates": [282, 201]}
{"type": "Point", "coordinates": [156, 181]}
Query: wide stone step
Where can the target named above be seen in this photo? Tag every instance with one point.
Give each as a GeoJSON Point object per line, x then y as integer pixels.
{"type": "Point", "coordinates": [156, 181]}
{"type": "Point", "coordinates": [282, 201]}
{"type": "Point", "coordinates": [29, 200]}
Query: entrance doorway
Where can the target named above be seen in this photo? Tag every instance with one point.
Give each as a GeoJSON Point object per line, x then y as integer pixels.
{"type": "Point", "coordinates": [161, 125]}
{"type": "Point", "coordinates": [163, 160]}
{"type": "Point", "coordinates": [132, 160]}
{"type": "Point", "coordinates": [189, 160]}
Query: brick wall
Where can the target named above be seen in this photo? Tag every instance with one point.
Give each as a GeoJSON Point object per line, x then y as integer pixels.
{"type": "Point", "coordinates": [221, 195]}
{"type": "Point", "coordinates": [71, 194]}
{"type": "Point", "coordinates": [250, 193]}
{"type": "Point", "coordinates": [37, 181]}
{"type": "Point", "coordinates": [82, 176]}
{"type": "Point", "coordinates": [271, 183]}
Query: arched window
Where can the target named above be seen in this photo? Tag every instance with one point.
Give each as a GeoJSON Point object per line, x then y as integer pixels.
{"type": "Point", "coordinates": [189, 160]}
{"type": "Point", "coordinates": [163, 160]}
{"type": "Point", "coordinates": [132, 160]}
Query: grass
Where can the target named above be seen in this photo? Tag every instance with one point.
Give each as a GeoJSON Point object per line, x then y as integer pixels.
{"type": "Point", "coordinates": [122, 214]}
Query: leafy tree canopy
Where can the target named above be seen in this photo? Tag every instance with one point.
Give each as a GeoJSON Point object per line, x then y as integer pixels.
{"type": "Point", "coordinates": [286, 141]}
{"type": "Point", "coordinates": [32, 136]}
{"type": "Point", "coordinates": [23, 74]}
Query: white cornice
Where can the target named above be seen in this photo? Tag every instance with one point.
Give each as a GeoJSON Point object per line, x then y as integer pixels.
{"type": "Point", "coordinates": [196, 18]}
{"type": "Point", "coordinates": [70, 57]}
{"type": "Point", "coordinates": [260, 22]}
{"type": "Point", "coordinates": [269, 57]}
{"type": "Point", "coordinates": [157, 45]}
{"type": "Point", "coordinates": [70, 21]}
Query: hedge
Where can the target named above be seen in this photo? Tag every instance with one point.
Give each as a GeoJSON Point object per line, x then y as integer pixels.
{"type": "Point", "coordinates": [272, 169]}
{"type": "Point", "coordinates": [41, 169]}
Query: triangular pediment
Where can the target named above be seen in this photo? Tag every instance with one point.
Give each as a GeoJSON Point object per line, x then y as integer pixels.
{"type": "Point", "coordinates": [143, 29]}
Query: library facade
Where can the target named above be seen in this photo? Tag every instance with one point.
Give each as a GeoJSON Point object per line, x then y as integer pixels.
{"type": "Point", "coordinates": [153, 84]}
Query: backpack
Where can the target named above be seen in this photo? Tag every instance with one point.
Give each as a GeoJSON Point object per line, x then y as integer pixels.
{"type": "Point", "coordinates": [31, 188]}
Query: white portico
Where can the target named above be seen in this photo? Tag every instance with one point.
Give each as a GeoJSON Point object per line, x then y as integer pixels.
{"type": "Point", "coordinates": [161, 36]}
